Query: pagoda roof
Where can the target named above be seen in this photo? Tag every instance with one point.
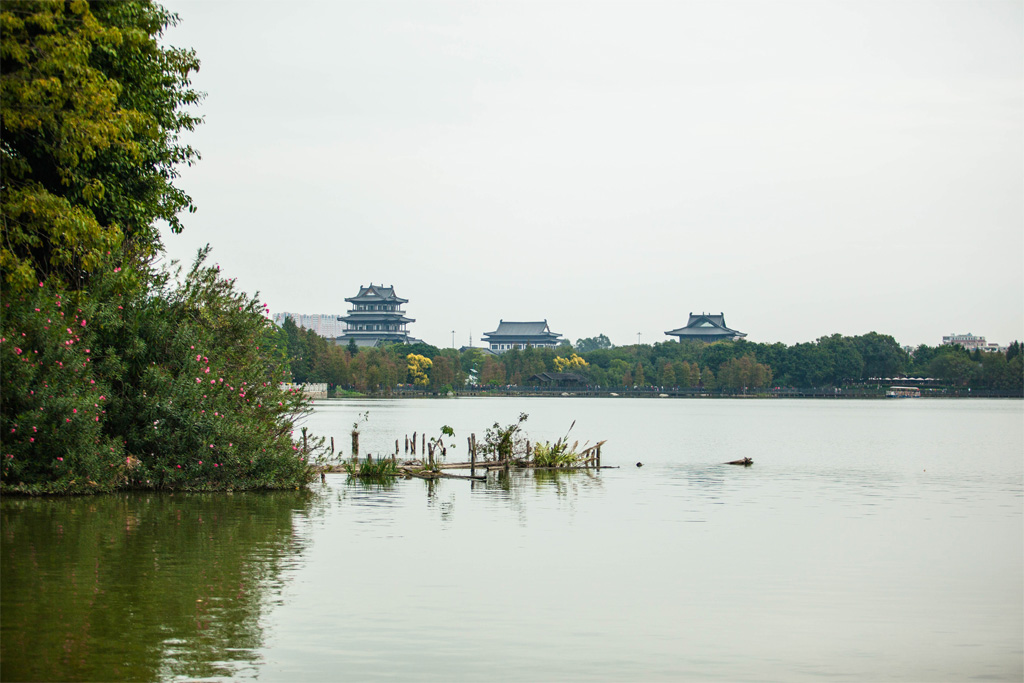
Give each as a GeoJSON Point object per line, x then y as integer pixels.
{"type": "Point", "coordinates": [706, 325]}
{"type": "Point", "coordinates": [376, 294]}
{"type": "Point", "coordinates": [376, 316]}
{"type": "Point", "coordinates": [522, 329]}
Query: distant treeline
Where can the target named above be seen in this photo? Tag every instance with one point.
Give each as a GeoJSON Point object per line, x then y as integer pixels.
{"type": "Point", "coordinates": [833, 361]}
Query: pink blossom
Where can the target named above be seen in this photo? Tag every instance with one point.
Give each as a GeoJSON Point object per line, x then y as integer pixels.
{"type": "Point", "coordinates": [83, 322]}
{"type": "Point", "coordinates": [179, 466]}
{"type": "Point", "coordinates": [31, 439]}
{"type": "Point", "coordinates": [61, 459]}
{"type": "Point", "coordinates": [17, 350]}
{"type": "Point", "coordinates": [197, 355]}
{"type": "Point", "coordinates": [200, 462]}
{"type": "Point", "coordinates": [40, 284]}
{"type": "Point", "coordinates": [206, 370]}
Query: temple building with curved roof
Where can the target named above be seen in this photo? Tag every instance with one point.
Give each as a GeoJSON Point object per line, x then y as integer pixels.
{"type": "Point", "coordinates": [706, 327]}
{"type": "Point", "coordinates": [520, 335]}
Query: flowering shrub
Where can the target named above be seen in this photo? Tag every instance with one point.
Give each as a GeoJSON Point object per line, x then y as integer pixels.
{"type": "Point", "coordinates": [142, 382]}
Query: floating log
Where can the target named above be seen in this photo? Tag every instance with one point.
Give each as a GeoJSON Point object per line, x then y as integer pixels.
{"type": "Point", "coordinates": [746, 462]}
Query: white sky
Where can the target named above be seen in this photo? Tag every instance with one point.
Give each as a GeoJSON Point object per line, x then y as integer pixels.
{"type": "Point", "coordinates": [805, 167]}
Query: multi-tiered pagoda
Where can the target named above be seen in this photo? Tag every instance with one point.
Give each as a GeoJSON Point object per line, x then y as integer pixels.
{"type": "Point", "coordinates": [376, 317]}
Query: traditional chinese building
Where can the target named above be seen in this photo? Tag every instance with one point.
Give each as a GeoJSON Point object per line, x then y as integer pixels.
{"type": "Point", "coordinates": [376, 317]}
{"type": "Point", "coordinates": [519, 335]}
{"type": "Point", "coordinates": [706, 327]}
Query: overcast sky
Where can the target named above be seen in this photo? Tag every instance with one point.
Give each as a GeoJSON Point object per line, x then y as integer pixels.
{"type": "Point", "coordinates": [804, 167]}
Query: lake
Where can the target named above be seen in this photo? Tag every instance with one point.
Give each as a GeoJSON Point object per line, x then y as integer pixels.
{"type": "Point", "coordinates": [870, 540]}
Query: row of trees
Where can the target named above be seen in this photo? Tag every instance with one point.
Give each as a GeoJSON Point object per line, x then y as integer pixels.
{"type": "Point", "coordinates": [116, 373]}
{"type": "Point", "coordinates": [832, 361]}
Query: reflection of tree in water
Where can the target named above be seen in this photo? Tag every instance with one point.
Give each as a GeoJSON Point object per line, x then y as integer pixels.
{"type": "Point", "coordinates": [141, 586]}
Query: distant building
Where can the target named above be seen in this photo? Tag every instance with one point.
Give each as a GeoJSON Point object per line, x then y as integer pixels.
{"type": "Point", "coordinates": [325, 324]}
{"type": "Point", "coordinates": [519, 335]}
{"type": "Point", "coordinates": [557, 379]}
{"type": "Point", "coordinates": [376, 317]}
{"type": "Point", "coordinates": [706, 327]}
{"type": "Point", "coordinates": [970, 342]}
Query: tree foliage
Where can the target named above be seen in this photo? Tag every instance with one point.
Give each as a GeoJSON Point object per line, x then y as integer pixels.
{"type": "Point", "coordinates": [91, 109]}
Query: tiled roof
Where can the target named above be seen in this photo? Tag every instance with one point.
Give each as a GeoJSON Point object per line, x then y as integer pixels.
{"type": "Point", "coordinates": [376, 293]}
{"type": "Point", "coordinates": [522, 329]}
{"type": "Point", "coordinates": [706, 325]}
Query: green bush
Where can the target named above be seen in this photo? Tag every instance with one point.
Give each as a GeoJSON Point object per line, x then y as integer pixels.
{"type": "Point", "coordinates": [142, 382]}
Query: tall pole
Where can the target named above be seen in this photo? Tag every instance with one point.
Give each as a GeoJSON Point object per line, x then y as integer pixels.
{"type": "Point", "coordinates": [453, 339]}
{"type": "Point", "coordinates": [638, 339]}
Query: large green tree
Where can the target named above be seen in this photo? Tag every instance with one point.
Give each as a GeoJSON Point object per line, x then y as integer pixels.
{"type": "Point", "coordinates": [91, 107]}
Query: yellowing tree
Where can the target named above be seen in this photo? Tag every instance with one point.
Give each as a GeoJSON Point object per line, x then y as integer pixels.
{"type": "Point", "coordinates": [417, 366]}
{"type": "Point", "coordinates": [569, 364]}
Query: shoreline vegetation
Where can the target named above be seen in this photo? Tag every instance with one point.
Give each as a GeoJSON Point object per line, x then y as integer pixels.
{"type": "Point", "coordinates": [836, 366]}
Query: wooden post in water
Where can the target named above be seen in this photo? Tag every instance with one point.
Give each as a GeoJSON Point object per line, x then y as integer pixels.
{"type": "Point", "coordinates": [396, 449]}
{"type": "Point", "coordinates": [355, 443]}
{"type": "Point", "coordinates": [472, 457]}
{"type": "Point", "coordinates": [407, 444]}
{"type": "Point", "coordinates": [599, 456]}
{"type": "Point", "coordinates": [414, 443]}
{"type": "Point", "coordinates": [305, 442]}
{"type": "Point", "coordinates": [332, 445]}
{"type": "Point", "coordinates": [424, 449]}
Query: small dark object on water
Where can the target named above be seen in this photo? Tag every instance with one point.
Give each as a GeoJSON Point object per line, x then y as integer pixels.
{"type": "Point", "coordinates": [639, 464]}
{"type": "Point", "coordinates": [746, 462]}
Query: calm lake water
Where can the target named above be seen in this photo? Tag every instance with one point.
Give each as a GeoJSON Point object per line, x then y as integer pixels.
{"type": "Point", "coordinates": [871, 540]}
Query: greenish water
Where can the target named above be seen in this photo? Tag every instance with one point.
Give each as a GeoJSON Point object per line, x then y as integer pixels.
{"type": "Point", "coordinates": [870, 541]}
{"type": "Point", "coordinates": [141, 587]}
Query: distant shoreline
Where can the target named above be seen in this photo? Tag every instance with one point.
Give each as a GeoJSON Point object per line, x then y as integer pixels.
{"type": "Point", "coordinates": [829, 394]}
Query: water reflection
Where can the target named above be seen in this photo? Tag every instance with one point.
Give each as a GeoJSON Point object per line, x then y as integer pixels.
{"type": "Point", "coordinates": [141, 587]}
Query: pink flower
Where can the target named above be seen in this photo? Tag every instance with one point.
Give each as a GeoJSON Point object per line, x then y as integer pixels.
{"type": "Point", "coordinates": [17, 350]}
{"type": "Point", "coordinates": [83, 322]}
{"type": "Point", "coordinates": [206, 370]}
{"type": "Point", "coordinates": [31, 439]}
{"type": "Point", "coordinates": [61, 459]}
{"type": "Point", "coordinates": [74, 410]}
{"type": "Point", "coordinates": [40, 284]}
{"type": "Point", "coordinates": [200, 462]}
{"type": "Point", "coordinates": [197, 355]}
{"type": "Point", "coordinates": [216, 465]}
{"type": "Point", "coordinates": [179, 466]}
